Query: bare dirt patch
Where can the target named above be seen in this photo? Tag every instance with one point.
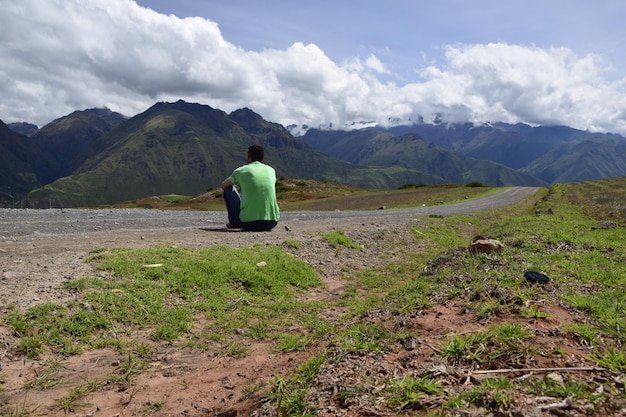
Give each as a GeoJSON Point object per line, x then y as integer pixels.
{"type": "Point", "coordinates": [178, 381]}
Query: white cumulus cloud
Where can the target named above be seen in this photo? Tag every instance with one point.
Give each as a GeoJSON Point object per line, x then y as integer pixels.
{"type": "Point", "coordinates": [59, 56]}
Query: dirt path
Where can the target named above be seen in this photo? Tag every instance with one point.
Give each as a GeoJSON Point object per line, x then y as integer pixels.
{"type": "Point", "coordinates": [42, 249]}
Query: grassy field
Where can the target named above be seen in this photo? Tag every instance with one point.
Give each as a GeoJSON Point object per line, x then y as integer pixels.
{"type": "Point", "coordinates": [510, 347]}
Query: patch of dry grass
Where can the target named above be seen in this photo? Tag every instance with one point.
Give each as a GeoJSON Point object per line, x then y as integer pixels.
{"type": "Point", "coordinates": [312, 195]}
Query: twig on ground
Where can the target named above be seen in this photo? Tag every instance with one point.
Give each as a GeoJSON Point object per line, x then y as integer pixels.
{"type": "Point", "coordinates": [566, 369]}
{"type": "Point", "coordinates": [566, 403]}
{"type": "Point", "coordinates": [6, 349]}
{"type": "Point", "coordinates": [430, 346]}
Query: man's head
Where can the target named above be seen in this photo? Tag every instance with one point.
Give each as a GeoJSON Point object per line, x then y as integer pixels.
{"type": "Point", "coordinates": [256, 153]}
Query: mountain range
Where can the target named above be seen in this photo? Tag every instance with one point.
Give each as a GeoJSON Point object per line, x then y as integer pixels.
{"type": "Point", "coordinates": [98, 157]}
{"type": "Point", "coordinates": [552, 154]}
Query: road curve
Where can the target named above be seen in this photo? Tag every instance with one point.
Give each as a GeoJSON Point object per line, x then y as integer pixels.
{"type": "Point", "coordinates": [502, 198]}
{"type": "Point", "coordinates": [24, 222]}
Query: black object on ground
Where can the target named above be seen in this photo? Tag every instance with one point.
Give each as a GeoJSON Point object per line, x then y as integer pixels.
{"type": "Point", "coordinates": [536, 277]}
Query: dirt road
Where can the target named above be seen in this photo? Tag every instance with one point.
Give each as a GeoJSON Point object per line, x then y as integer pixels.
{"type": "Point", "coordinates": [16, 223]}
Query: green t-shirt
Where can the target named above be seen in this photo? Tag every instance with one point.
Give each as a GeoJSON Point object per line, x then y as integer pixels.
{"type": "Point", "coordinates": [257, 182]}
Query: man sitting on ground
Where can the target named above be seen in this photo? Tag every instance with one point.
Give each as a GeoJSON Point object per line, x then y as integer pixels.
{"type": "Point", "coordinates": [256, 208]}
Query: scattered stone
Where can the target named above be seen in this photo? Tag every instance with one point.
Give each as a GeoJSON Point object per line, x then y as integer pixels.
{"type": "Point", "coordinates": [486, 246]}
{"type": "Point", "coordinates": [12, 275]}
{"type": "Point", "coordinates": [604, 225]}
{"type": "Point", "coordinates": [411, 344]}
{"type": "Point", "coordinates": [555, 377]}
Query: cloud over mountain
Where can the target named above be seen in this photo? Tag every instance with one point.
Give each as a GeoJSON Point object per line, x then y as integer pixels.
{"type": "Point", "coordinates": [59, 56]}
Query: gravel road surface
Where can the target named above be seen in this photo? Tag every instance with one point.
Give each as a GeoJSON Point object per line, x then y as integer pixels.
{"type": "Point", "coordinates": [15, 223]}
{"type": "Point", "coordinates": [42, 249]}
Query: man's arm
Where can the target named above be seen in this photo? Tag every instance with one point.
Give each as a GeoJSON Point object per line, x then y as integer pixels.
{"type": "Point", "coordinates": [226, 183]}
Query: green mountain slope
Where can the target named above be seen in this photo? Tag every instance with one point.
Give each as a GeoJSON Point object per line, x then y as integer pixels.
{"type": "Point", "coordinates": [17, 166]}
{"type": "Point", "coordinates": [373, 147]}
{"type": "Point", "coordinates": [584, 161]}
{"type": "Point", "coordinates": [185, 148]}
{"type": "Point", "coordinates": [413, 151]}
{"type": "Point", "coordinates": [549, 152]}
{"type": "Point", "coordinates": [96, 157]}
{"type": "Point", "coordinates": [65, 140]}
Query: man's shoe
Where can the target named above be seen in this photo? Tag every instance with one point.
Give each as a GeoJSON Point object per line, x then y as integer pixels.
{"type": "Point", "coordinates": [233, 226]}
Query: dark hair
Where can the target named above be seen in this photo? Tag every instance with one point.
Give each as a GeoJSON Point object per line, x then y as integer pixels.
{"type": "Point", "coordinates": [256, 153]}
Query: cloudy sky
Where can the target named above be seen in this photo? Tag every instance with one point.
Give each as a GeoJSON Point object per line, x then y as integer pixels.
{"type": "Point", "coordinates": [320, 63]}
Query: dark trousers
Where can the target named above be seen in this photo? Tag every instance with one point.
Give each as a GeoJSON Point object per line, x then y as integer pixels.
{"type": "Point", "coordinates": [233, 207]}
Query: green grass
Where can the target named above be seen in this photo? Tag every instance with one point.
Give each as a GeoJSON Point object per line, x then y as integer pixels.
{"type": "Point", "coordinates": [293, 244]}
{"type": "Point", "coordinates": [365, 337]}
{"type": "Point", "coordinates": [165, 290]}
{"type": "Point", "coordinates": [408, 391]}
{"type": "Point", "coordinates": [338, 239]}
